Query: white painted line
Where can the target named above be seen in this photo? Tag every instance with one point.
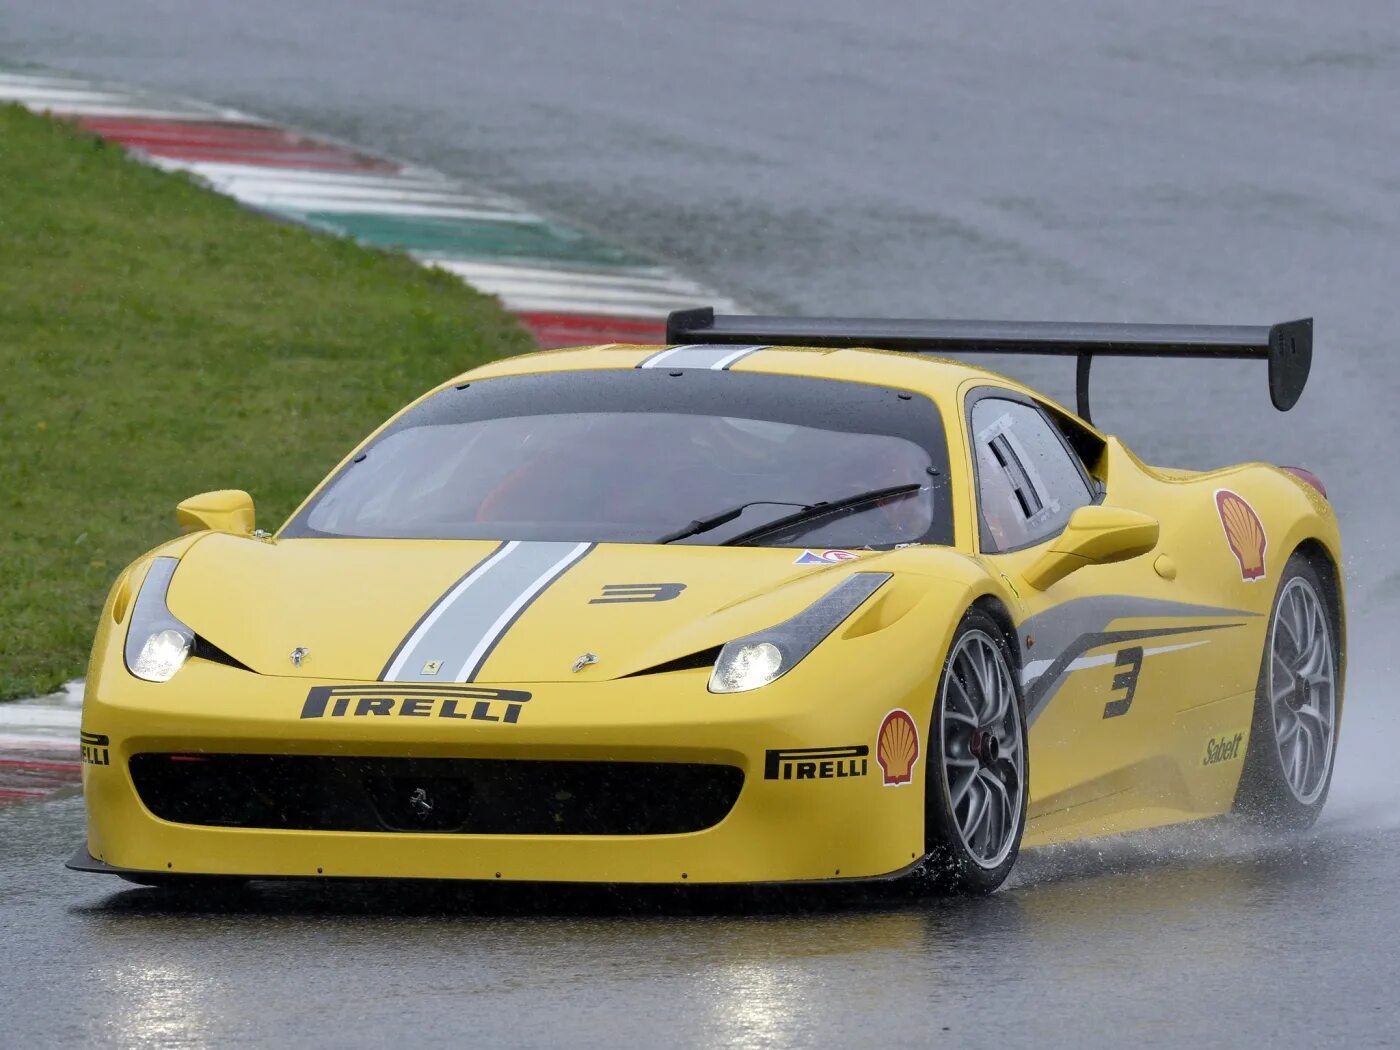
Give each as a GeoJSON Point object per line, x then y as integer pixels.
{"type": "Point", "coordinates": [564, 290]}
{"type": "Point", "coordinates": [583, 305]}
{"type": "Point", "coordinates": [27, 713]}
{"type": "Point", "coordinates": [95, 102]}
{"type": "Point", "coordinates": [25, 93]}
{"type": "Point", "coordinates": [39, 742]}
{"type": "Point", "coordinates": [59, 94]}
{"type": "Point", "coordinates": [214, 170]}
{"type": "Point", "coordinates": [134, 113]}
{"type": "Point", "coordinates": [526, 278]}
{"type": "Point", "coordinates": [525, 270]}
{"type": "Point", "coordinates": [406, 209]}
{"type": "Point", "coordinates": [288, 189]}
{"type": "Point", "coordinates": [45, 80]}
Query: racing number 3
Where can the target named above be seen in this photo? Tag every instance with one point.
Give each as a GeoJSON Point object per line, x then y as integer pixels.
{"type": "Point", "coordinates": [1130, 660]}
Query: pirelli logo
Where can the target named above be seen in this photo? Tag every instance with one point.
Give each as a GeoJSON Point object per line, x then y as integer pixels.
{"type": "Point", "coordinates": [96, 749]}
{"type": "Point", "coordinates": [817, 763]}
{"type": "Point", "coordinates": [470, 703]}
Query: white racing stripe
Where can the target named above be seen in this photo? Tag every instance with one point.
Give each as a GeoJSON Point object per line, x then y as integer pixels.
{"type": "Point", "coordinates": [658, 360]}
{"type": "Point", "coordinates": [713, 356]}
{"type": "Point", "coordinates": [742, 352]}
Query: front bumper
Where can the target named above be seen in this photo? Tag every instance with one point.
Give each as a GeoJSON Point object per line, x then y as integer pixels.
{"type": "Point", "coordinates": [780, 829]}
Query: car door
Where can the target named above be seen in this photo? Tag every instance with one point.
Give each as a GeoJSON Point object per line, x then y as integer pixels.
{"type": "Point", "coordinates": [1100, 717]}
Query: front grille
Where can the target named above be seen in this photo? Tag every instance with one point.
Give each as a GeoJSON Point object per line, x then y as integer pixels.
{"type": "Point", "coordinates": [464, 796]}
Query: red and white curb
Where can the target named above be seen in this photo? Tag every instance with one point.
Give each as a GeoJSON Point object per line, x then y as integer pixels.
{"type": "Point", "coordinates": [568, 285]}
{"type": "Point", "coordinates": [39, 745]}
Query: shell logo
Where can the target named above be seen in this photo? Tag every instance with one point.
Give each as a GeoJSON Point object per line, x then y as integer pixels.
{"type": "Point", "coordinates": [897, 748]}
{"type": "Point", "coordinates": [1244, 532]}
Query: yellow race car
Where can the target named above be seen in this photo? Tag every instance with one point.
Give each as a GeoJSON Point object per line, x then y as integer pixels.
{"type": "Point", "coordinates": [779, 602]}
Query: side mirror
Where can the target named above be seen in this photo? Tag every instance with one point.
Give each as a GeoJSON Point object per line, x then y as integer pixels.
{"type": "Point", "coordinates": [223, 510]}
{"type": "Point", "coordinates": [1094, 536]}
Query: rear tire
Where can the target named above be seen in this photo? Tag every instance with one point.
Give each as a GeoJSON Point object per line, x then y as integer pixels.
{"type": "Point", "coordinates": [1297, 706]}
{"type": "Point", "coordinates": [976, 784]}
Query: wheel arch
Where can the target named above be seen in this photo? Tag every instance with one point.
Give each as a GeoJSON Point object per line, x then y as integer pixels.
{"type": "Point", "coordinates": [1001, 616]}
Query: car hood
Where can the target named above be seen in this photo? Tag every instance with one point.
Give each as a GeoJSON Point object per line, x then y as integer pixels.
{"type": "Point", "coordinates": [524, 612]}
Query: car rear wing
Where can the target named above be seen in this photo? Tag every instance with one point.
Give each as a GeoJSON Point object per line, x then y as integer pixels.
{"type": "Point", "coordinates": [1286, 346]}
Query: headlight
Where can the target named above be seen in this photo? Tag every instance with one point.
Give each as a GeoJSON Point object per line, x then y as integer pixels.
{"type": "Point", "coordinates": [748, 663]}
{"type": "Point", "coordinates": [157, 644]}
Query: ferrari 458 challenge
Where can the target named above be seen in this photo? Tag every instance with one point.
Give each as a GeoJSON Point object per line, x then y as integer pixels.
{"type": "Point", "coordinates": [770, 604]}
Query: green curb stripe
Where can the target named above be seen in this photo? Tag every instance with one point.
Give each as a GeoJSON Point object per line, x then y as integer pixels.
{"type": "Point", "coordinates": [473, 238]}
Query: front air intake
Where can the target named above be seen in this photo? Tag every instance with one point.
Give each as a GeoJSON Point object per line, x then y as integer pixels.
{"type": "Point", "coordinates": [458, 796]}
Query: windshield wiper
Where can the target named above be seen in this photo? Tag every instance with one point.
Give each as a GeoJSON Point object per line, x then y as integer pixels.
{"type": "Point", "coordinates": [818, 511]}
{"type": "Point", "coordinates": [714, 521]}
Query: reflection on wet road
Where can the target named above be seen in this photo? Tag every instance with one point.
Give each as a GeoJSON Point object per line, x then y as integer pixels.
{"type": "Point", "coordinates": [1190, 936]}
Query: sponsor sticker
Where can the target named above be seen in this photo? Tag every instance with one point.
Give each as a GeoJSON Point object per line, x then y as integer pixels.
{"type": "Point", "coordinates": [897, 748]}
{"type": "Point", "coordinates": [817, 763]}
{"type": "Point", "coordinates": [405, 700]}
{"type": "Point", "coordinates": [1224, 748]}
{"type": "Point", "coordinates": [828, 557]}
{"type": "Point", "coordinates": [1244, 532]}
{"type": "Point", "coordinates": [95, 749]}
{"type": "Point", "coordinates": [615, 593]}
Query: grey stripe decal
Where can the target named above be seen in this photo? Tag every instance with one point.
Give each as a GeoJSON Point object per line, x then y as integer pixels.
{"type": "Point", "coordinates": [737, 355]}
{"type": "Point", "coordinates": [503, 623]}
{"type": "Point", "coordinates": [399, 655]}
{"type": "Point", "coordinates": [1044, 688]}
{"type": "Point", "coordinates": [465, 624]}
{"type": "Point", "coordinates": [658, 359]}
{"type": "Point", "coordinates": [1065, 630]}
{"type": "Point", "coordinates": [1056, 629]}
{"type": "Point", "coordinates": [717, 357]}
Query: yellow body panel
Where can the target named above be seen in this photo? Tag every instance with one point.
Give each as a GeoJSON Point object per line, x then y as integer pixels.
{"type": "Point", "coordinates": [350, 602]}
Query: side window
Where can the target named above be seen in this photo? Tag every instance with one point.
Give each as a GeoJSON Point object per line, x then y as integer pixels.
{"type": "Point", "coordinates": [1028, 483]}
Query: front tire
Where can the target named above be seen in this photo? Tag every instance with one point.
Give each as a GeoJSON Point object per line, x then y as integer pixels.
{"type": "Point", "coordinates": [1297, 706]}
{"type": "Point", "coordinates": [976, 786]}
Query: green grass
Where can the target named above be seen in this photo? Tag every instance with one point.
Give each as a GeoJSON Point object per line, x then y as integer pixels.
{"type": "Point", "coordinates": [157, 340]}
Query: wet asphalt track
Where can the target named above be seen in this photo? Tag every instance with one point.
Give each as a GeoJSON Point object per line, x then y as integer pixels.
{"type": "Point", "coordinates": [1059, 161]}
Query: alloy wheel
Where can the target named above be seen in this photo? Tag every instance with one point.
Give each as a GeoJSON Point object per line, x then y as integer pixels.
{"type": "Point", "coordinates": [984, 756]}
{"type": "Point", "coordinates": [1303, 688]}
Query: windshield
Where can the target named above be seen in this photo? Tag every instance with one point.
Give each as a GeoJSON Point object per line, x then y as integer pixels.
{"type": "Point", "coordinates": [579, 462]}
